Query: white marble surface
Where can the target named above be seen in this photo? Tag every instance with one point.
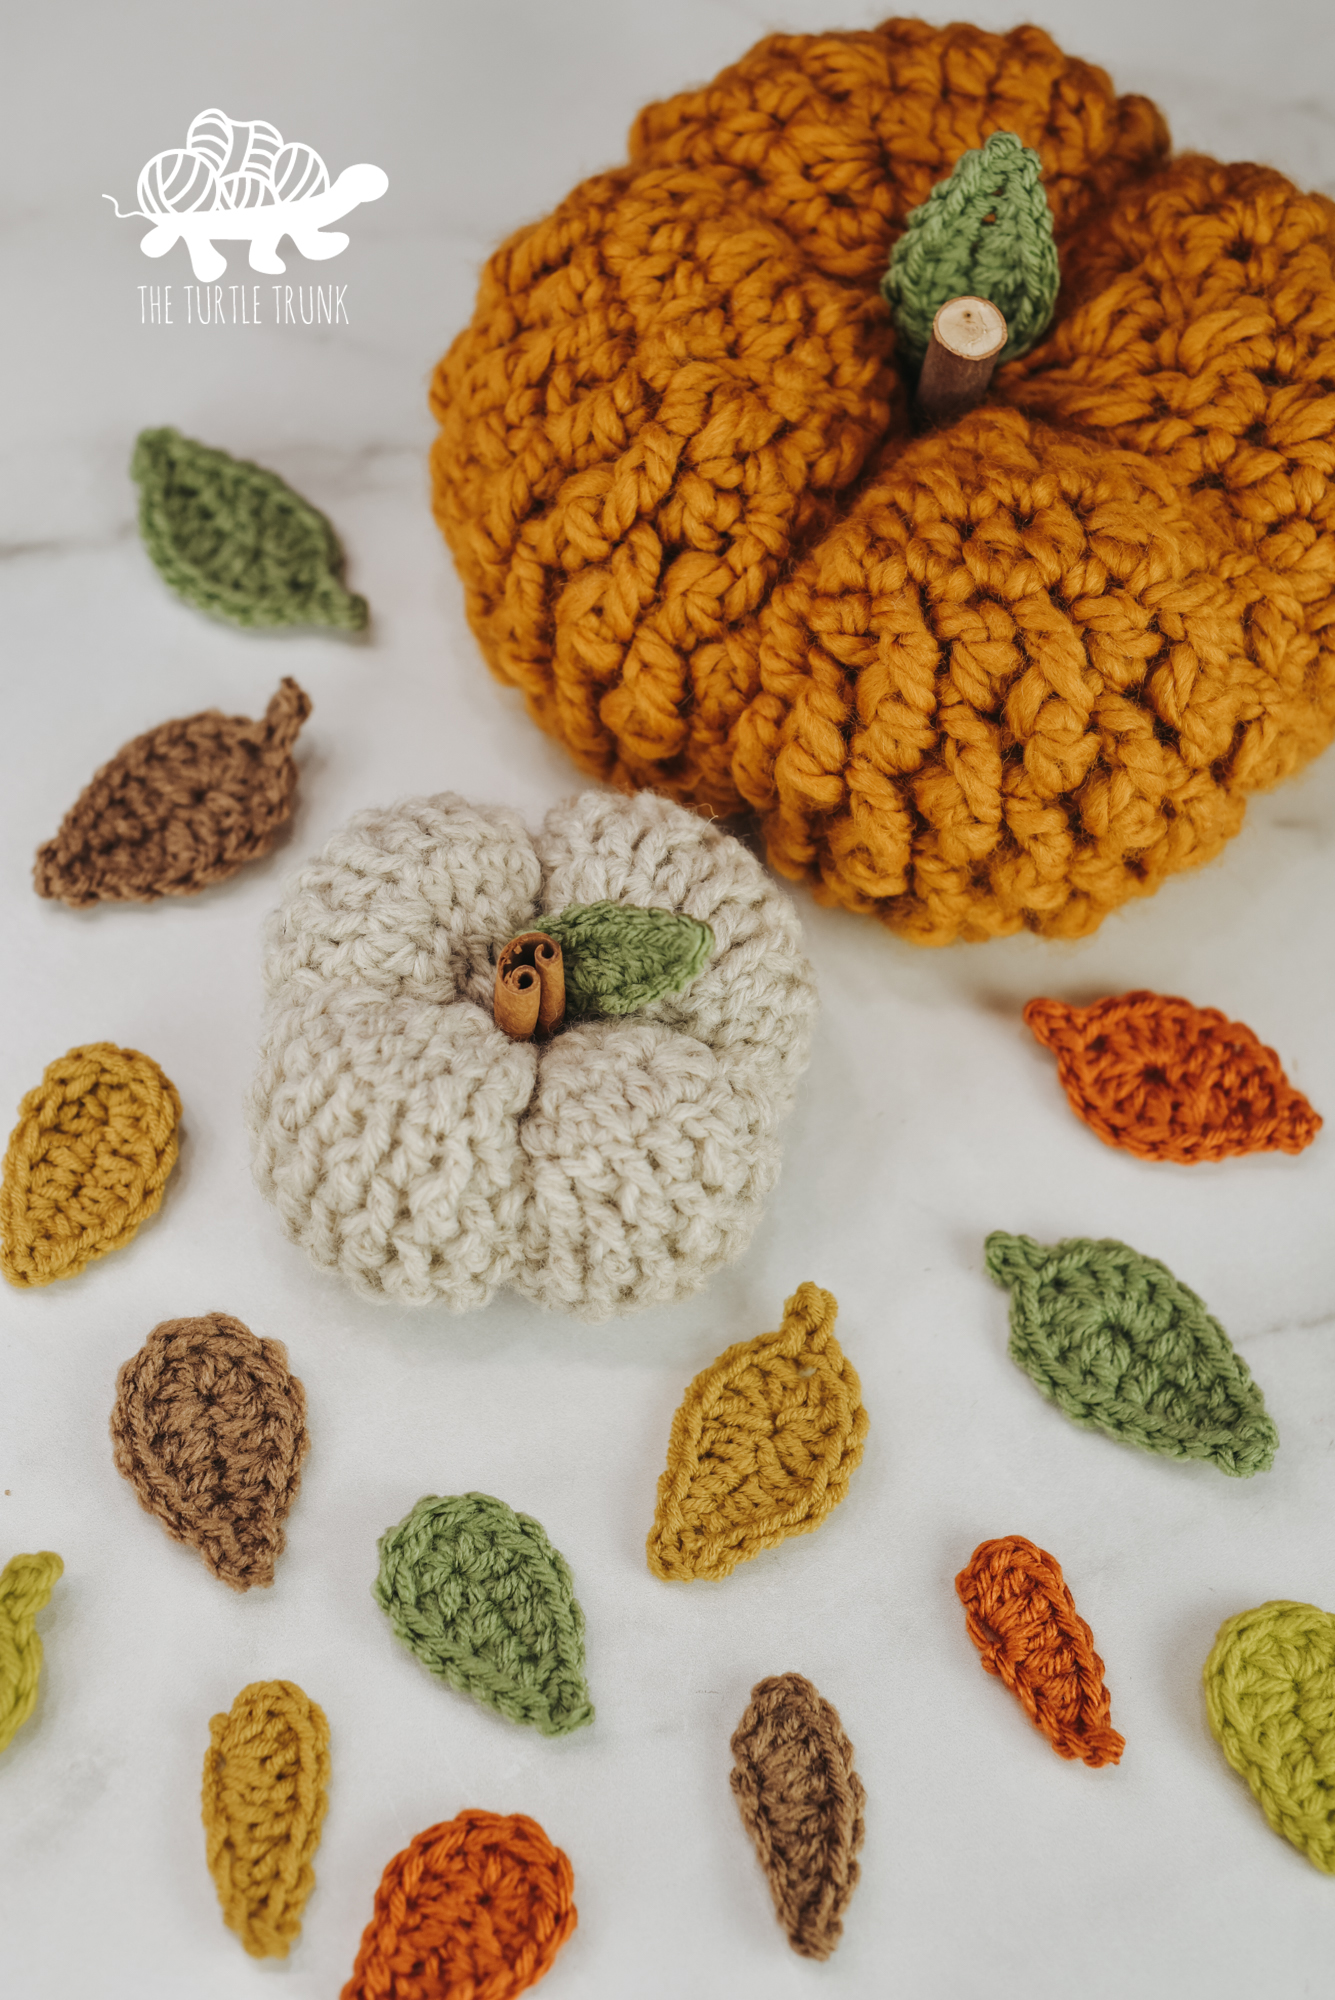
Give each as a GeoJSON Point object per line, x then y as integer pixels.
{"type": "Point", "coordinates": [928, 1118]}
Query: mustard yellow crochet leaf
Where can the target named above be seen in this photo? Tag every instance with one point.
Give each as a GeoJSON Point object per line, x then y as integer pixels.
{"type": "Point", "coordinates": [86, 1163]}
{"type": "Point", "coordinates": [26, 1583]}
{"type": "Point", "coordinates": [763, 1446]}
{"type": "Point", "coordinates": [266, 1784]}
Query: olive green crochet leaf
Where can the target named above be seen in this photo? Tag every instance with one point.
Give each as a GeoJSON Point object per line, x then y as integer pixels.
{"type": "Point", "coordinates": [986, 233]}
{"type": "Point", "coordinates": [236, 541]}
{"type": "Point", "coordinates": [1269, 1696]}
{"type": "Point", "coordinates": [486, 1603]}
{"type": "Point", "coordinates": [1121, 1346]}
{"type": "Point", "coordinates": [619, 957]}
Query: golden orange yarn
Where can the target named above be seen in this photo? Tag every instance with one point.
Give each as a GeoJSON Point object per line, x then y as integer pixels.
{"type": "Point", "coordinates": [1006, 674]}
{"type": "Point", "coordinates": [87, 1162]}
{"type": "Point", "coordinates": [763, 1446]}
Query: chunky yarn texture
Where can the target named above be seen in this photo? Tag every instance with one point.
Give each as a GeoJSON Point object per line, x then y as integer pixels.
{"type": "Point", "coordinates": [87, 1162]}
{"type": "Point", "coordinates": [486, 1603]}
{"type": "Point", "coordinates": [1122, 1346]}
{"type": "Point", "coordinates": [410, 1145]}
{"type": "Point", "coordinates": [26, 1583]}
{"type": "Point", "coordinates": [1269, 1696]}
{"type": "Point", "coordinates": [181, 807]}
{"type": "Point", "coordinates": [1005, 675]}
{"type": "Point", "coordinates": [763, 1446]}
{"type": "Point", "coordinates": [801, 1802]}
{"type": "Point", "coordinates": [1168, 1081]}
{"type": "Point", "coordinates": [1022, 1618]}
{"type": "Point", "coordinates": [235, 540]}
{"type": "Point", "coordinates": [209, 1427]}
{"type": "Point", "coordinates": [474, 1909]}
{"type": "Point", "coordinates": [266, 1783]}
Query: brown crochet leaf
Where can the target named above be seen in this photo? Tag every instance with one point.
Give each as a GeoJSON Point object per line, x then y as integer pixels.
{"type": "Point", "coordinates": [209, 1427]}
{"type": "Point", "coordinates": [180, 807]}
{"type": "Point", "coordinates": [801, 1802]}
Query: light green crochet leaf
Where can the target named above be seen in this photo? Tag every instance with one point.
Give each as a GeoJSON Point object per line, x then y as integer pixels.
{"type": "Point", "coordinates": [486, 1603]}
{"type": "Point", "coordinates": [236, 541]}
{"type": "Point", "coordinates": [1117, 1343]}
{"type": "Point", "coordinates": [619, 957]}
{"type": "Point", "coordinates": [986, 233]}
{"type": "Point", "coordinates": [26, 1583]}
{"type": "Point", "coordinates": [1269, 1696]}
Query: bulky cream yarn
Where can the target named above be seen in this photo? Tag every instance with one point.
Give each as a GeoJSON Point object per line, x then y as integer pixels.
{"type": "Point", "coordinates": [410, 1145]}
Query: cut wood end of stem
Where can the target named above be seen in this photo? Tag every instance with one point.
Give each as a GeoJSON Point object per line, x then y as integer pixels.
{"type": "Point", "coordinates": [967, 336]}
{"type": "Point", "coordinates": [530, 994]}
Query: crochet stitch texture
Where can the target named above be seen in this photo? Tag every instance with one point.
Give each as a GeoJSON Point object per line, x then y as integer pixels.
{"type": "Point", "coordinates": [1022, 1618]}
{"type": "Point", "coordinates": [26, 1583]}
{"type": "Point", "coordinates": [87, 1162]}
{"type": "Point", "coordinates": [801, 1801]}
{"type": "Point", "coordinates": [209, 1427]}
{"type": "Point", "coordinates": [180, 807]}
{"type": "Point", "coordinates": [1168, 1081]}
{"type": "Point", "coordinates": [236, 541]}
{"type": "Point", "coordinates": [1269, 1696]}
{"type": "Point", "coordinates": [410, 1145]}
{"type": "Point", "coordinates": [763, 1446]}
{"type": "Point", "coordinates": [1009, 674]}
{"type": "Point", "coordinates": [486, 1603]}
{"type": "Point", "coordinates": [478, 1906]}
{"type": "Point", "coordinates": [266, 1782]}
{"type": "Point", "coordinates": [1122, 1346]}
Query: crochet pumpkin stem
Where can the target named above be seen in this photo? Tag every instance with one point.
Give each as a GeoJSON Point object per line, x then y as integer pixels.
{"type": "Point", "coordinates": [530, 987]}
{"type": "Point", "coordinates": [968, 335]}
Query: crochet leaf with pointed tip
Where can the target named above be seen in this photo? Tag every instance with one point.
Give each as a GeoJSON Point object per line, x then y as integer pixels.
{"type": "Point", "coordinates": [209, 1427]}
{"type": "Point", "coordinates": [475, 1908]}
{"type": "Point", "coordinates": [1023, 1620]}
{"type": "Point", "coordinates": [985, 231]}
{"type": "Point", "coordinates": [763, 1446]}
{"type": "Point", "coordinates": [619, 958]}
{"type": "Point", "coordinates": [1269, 1696]}
{"type": "Point", "coordinates": [178, 808]}
{"type": "Point", "coordinates": [266, 1783]}
{"type": "Point", "coordinates": [801, 1801]}
{"type": "Point", "coordinates": [486, 1603]}
{"type": "Point", "coordinates": [236, 541]}
{"type": "Point", "coordinates": [86, 1163]}
{"type": "Point", "coordinates": [1165, 1080]}
{"type": "Point", "coordinates": [1122, 1346]}
{"type": "Point", "coordinates": [26, 1583]}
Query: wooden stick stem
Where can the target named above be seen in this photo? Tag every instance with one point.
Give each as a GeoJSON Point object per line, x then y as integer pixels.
{"type": "Point", "coordinates": [967, 336]}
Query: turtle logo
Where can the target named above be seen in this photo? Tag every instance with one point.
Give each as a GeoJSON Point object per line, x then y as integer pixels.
{"type": "Point", "coordinates": [241, 181]}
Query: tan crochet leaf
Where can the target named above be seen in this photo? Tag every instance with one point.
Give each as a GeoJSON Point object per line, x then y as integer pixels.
{"type": "Point", "coordinates": [763, 1446]}
{"type": "Point", "coordinates": [87, 1161]}
{"type": "Point", "coordinates": [182, 806]}
{"type": "Point", "coordinates": [209, 1427]}
{"type": "Point", "coordinates": [801, 1801]}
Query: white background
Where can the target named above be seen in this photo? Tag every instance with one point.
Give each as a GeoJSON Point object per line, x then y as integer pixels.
{"type": "Point", "coordinates": [928, 1117]}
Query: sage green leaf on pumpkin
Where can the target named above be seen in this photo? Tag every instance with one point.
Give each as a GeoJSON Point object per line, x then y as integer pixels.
{"type": "Point", "coordinates": [619, 957]}
{"type": "Point", "coordinates": [486, 1603]}
{"type": "Point", "coordinates": [236, 541]}
{"type": "Point", "coordinates": [1122, 1346]}
{"type": "Point", "coordinates": [984, 232]}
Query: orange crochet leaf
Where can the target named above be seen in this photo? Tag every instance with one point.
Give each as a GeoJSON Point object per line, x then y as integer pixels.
{"type": "Point", "coordinates": [763, 1446]}
{"type": "Point", "coordinates": [1023, 1620]}
{"type": "Point", "coordinates": [1169, 1081]}
{"type": "Point", "coordinates": [473, 1909]}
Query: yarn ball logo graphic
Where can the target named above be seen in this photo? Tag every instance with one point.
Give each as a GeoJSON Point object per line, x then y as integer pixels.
{"type": "Point", "coordinates": [241, 181]}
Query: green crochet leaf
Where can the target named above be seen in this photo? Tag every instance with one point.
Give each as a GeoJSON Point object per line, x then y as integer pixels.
{"type": "Point", "coordinates": [1122, 1347]}
{"type": "Point", "coordinates": [236, 541]}
{"type": "Point", "coordinates": [486, 1603]}
{"type": "Point", "coordinates": [619, 957]}
{"type": "Point", "coordinates": [986, 233]}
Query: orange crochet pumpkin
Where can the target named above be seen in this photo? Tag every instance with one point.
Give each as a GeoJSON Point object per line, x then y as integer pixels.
{"type": "Point", "coordinates": [1008, 673]}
